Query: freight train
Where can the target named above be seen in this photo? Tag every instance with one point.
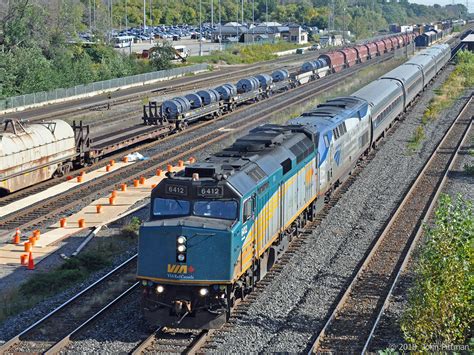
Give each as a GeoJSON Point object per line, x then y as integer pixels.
{"type": "Point", "coordinates": [41, 151]}
{"type": "Point", "coordinates": [217, 227]}
{"type": "Point", "coordinates": [209, 103]}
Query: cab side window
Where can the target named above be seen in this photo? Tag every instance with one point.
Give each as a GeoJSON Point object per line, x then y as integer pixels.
{"type": "Point", "coordinates": [248, 209]}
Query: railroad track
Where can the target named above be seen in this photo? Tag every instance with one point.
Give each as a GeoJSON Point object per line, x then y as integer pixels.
{"type": "Point", "coordinates": [351, 324]}
{"type": "Point", "coordinates": [54, 331]}
{"type": "Point", "coordinates": [178, 90]}
{"type": "Point", "coordinates": [50, 210]}
{"type": "Point", "coordinates": [179, 85]}
{"type": "Point", "coordinates": [138, 112]}
{"type": "Point", "coordinates": [168, 340]}
{"type": "Point", "coordinates": [17, 195]}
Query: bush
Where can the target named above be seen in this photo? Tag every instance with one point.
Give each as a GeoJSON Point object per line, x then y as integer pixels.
{"type": "Point", "coordinates": [439, 307]}
{"type": "Point", "coordinates": [131, 230]}
{"type": "Point", "coordinates": [461, 78]}
{"type": "Point", "coordinates": [72, 271]}
{"type": "Point", "coordinates": [469, 169]}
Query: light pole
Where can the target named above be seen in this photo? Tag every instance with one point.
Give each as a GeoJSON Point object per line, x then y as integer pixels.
{"type": "Point", "coordinates": [212, 14]}
{"type": "Point", "coordinates": [95, 7]}
{"type": "Point", "coordinates": [151, 14]}
{"type": "Point", "coordinates": [242, 12]}
{"type": "Point", "coordinates": [200, 28]}
{"type": "Point", "coordinates": [220, 26]}
{"type": "Point", "coordinates": [90, 16]}
{"type": "Point", "coordinates": [151, 21]}
{"type": "Point", "coordinates": [144, 15]}
{"type": "Point", "coordinates": [253, 12]}
{"type": "Point", "coordinates": [126, 14]}
{"type": "Point", "coordinates": [111, 16]}
{"type": "Point", "coordinates": [266, 11]}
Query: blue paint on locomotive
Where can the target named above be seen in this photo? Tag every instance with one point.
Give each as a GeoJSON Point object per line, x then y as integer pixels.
{"type": "Point", "coordinates": [207, 255]}
{"type": "Point", "coordinates": [215, 246]}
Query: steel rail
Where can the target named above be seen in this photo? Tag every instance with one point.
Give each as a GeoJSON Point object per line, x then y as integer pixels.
{"type": "Point", "coordinates": [192, 348]}
{"type": "Point", "coordinates": [17, 338]}
{"type": "Point", "coordinates": [56, 348]}
{"type": "Point", "coordinates": [187, 84]}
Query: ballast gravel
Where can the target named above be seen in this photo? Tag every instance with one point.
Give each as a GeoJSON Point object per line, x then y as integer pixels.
{"type": "Point", "coordinates": [14, 325]}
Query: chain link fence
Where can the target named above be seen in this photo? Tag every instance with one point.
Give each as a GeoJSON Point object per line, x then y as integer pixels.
{"type": "Point", "coordinates": [39, 97]}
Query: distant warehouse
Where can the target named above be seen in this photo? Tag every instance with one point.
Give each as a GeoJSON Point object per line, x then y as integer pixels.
{"type": "Point", "coordinates": [264, 32]}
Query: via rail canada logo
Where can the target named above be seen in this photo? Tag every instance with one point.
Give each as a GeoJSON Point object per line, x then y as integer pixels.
{"type": "Point", "coordinates": [180, 269]}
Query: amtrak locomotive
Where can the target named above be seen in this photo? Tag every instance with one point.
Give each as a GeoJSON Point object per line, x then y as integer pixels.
{"type": "Point", "coordinates": [218, 226]}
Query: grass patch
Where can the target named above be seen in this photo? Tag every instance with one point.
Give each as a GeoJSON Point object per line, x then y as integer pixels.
{"type": "Point", "coordinates": [244, 54]}
{"type": "Point", "coordinates": [460, 79]}
{"type": "Point", "coordinates": [440, 306]}
{"type": "Point", "coordinates": [415, 141]}
{"type": "Point", "coordinates": [42, 285]}
{"type": "Point", "coordinates": [469, 169]}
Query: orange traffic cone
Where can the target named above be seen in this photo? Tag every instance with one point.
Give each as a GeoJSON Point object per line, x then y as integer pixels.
{"type": "Point", "coordinates": [31, 262]}
{"type": "Point", "coordinates": [16, 238]}
{"type": "Point", "coordinates": [23, 258]}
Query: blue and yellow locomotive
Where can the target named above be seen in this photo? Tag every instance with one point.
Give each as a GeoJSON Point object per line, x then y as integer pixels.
{"type": "Point", "coordinates": [218, 226]}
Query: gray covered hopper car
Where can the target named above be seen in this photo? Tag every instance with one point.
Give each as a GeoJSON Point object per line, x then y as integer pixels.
{"type": "Point", "coordinates": [29, 155]}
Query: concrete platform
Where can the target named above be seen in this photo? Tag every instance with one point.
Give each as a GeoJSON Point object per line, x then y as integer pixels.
{"type": "Point", "coordinates": [10, 254]}
{"type": "Point", "coordinates": [48, 242]}
{"type": "Point", "coordinates": [58, 189]}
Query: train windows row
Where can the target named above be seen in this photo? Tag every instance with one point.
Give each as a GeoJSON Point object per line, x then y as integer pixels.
{"type": "Point", "coordinates": [387, 111]}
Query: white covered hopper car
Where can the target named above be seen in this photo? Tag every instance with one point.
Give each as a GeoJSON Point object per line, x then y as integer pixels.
{"type": "Point", "coordinates": [35, 153]}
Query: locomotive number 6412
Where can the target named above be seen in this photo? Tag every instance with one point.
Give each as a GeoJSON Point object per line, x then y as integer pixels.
{"type": "Point", "coordinates": [211, 191]}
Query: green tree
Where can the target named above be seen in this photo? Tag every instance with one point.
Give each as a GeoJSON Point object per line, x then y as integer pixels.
{"type": "Point", "coordinates": [162, 56]}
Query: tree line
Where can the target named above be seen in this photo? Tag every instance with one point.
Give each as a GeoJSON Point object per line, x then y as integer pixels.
{"type": "Point", "coordinates": [39, 48]}
{"type": "Point", "coordinates": [348, 14]}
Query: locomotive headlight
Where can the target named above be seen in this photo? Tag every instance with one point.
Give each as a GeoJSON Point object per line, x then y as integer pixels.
{"type": "Point", "coordinates": [181, 248]}
{"type": "Point", "coordinates": [203, 291]}
{"type": "Point", "coordinates": [181, 257]}
{"type": "Point", "coordinates": [160, 289]}
{"type": "Point", "coordinates": [181, 240]}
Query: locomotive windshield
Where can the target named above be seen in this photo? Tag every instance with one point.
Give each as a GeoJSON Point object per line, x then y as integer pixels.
{"type": "Point", "coordinates": [216, 209]}
{"type": "Point", "coordinates": [222, 209]}
{"type": "Point", "coordinates": [167, 207]}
